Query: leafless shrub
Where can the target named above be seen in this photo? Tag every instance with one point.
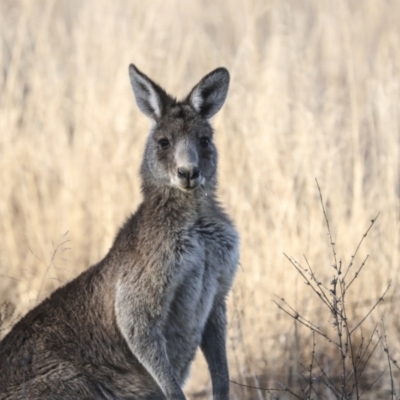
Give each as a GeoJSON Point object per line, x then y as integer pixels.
{"type": "Point", "coordinates": [346, 341]}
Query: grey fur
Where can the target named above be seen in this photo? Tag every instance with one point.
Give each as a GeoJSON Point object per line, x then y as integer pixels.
{"type": "Point", "coordinates": [129, 326]}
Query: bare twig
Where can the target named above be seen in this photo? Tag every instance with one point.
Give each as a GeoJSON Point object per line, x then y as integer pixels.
{"type": "Point", "coordinates": [329, 229]}
{"type": "Point", "coordinates": [304, 321]}
{"type": "Point", "coordinates": [308, 282]}
{"type": "Point", "coordinates": [61, 242]}
{"type": "Point", "coordinates": [372, 309]}
{"type": "Point", "coordinates": [372, 384]}
{"type": "Point", "coordinates": [365, 352]}
{"type": "Point", "coordinates": [268, 390]}
{"type": "Point", "coordinates": [346, 287]}
{"type": "Point", "coordinates": [359, 245]}
{"type": "Point", "coordinates": [383, 341]}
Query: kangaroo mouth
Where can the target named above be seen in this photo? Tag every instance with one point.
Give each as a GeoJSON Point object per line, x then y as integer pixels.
{"type": "Point", "coordinates": [188, 185]}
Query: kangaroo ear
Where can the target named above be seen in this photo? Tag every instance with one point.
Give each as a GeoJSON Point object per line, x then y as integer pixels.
{"type": "Point", "coordinates": [150, 98]}
{"type": "Point", "coordinates": [209, 95]}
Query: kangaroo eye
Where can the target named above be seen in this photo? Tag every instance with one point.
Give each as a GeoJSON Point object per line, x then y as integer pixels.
{"type": "Point", "coordinates": [204, 141]}
{"type": "Point", "coordinates": [164, 143]}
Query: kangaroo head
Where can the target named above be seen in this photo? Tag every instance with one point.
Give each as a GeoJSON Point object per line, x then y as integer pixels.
{"type": "Point", "coordinates": [180, 150]}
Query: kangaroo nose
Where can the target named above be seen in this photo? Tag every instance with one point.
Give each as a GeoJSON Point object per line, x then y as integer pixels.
{"type": "Point", "coordinates": [188, 173]}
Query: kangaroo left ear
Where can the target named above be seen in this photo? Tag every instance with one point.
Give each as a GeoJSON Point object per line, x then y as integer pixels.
{"type": "Point", "coordinates": [209, 95]}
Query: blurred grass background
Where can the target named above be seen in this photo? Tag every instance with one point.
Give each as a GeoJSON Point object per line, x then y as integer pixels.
{"type": "Point", "coordinates": [315, 94]}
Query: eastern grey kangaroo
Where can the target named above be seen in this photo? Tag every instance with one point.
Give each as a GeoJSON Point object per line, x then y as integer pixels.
{"type": "Point", "coordinates": [129, 326]}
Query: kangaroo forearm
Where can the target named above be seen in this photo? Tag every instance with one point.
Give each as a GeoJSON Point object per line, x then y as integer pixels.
{"type": "Point", "coordinates": [153, 357]}
{"type": "Point", "coordinates": [147, 344]}
{"type": "Point", "coordinates": [213, 346]}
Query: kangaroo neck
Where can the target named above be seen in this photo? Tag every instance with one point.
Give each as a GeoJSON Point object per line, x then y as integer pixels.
{"type": "Point", "coordinates": [172, 203]}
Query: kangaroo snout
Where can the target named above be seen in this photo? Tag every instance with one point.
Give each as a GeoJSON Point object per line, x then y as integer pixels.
{"type": "Point", "coordinates": [188, 176]}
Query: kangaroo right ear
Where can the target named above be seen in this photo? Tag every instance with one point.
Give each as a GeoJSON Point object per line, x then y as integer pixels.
{"type": "Point", "coordinates": [150, 98]}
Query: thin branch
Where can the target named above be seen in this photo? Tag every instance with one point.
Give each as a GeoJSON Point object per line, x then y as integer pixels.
{"type": "Point", "coordinates": [327, 225]}
{"type": "Point", "coordinates": [308, 282]}
{"type": "Point", "coordinates": [61, 243]}
{"type": "Point", "coordinates": [310, 369]}
{"type": "Point", "coordinates": [296, 316]}
{"type": "Point", "coordinates": [385, 346]}
{"type": "Point", "coordinates": [319, 284]}
{"type": "Point", "coordinates": [372, 384]}
{"type": "Point", "coordinates": [365, 352]}
{"type": "Point", "coordinates": [10, 277]}
{"type": "Point", "coordinates": [355, 275]}
{"type": "Point", "coordinates": [359, 245]}
{"type": "Point", "coordinates": [268, 390]}
{"type": "Point", "coordinates": [372, 309]}
{"type": "Point", "coordinates": [329, 384]}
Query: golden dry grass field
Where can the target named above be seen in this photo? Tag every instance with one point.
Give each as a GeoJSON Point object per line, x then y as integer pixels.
{"type": "Point", "coordinates": [315, 94]}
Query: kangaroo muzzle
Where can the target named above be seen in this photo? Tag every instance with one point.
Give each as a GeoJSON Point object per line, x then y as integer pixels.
{"type": "Point", "coordinates": [187, 175]}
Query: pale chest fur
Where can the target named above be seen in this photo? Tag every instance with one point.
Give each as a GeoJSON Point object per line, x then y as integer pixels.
{"type": "Point", "coordinates": [210, 252]}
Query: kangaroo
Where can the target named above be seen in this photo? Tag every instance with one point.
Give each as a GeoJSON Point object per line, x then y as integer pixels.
{"type": "Point", "coordinates": [129, 326]}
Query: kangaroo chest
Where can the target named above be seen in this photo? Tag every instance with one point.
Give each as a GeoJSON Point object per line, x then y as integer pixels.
{"type": "Point", "coordinates": [208, 263]}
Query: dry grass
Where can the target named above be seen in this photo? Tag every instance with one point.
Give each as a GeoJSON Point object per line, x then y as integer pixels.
{"type": "Point", "coordinates": [315, 94]}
